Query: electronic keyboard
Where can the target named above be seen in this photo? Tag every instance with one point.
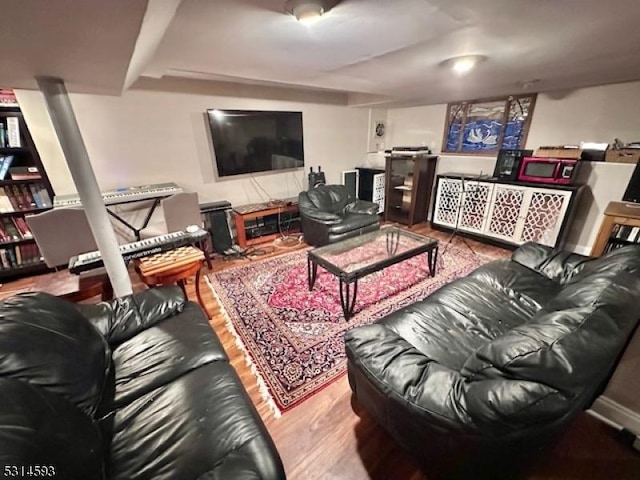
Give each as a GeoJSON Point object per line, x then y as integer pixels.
{"type": "Point", "coordinates": [142, 248]}
{"type": "Point", "coordinates": [122, 195]}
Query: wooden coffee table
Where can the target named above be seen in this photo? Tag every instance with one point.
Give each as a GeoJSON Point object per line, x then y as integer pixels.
{"type": "Point", "coordinates": [358, 257]}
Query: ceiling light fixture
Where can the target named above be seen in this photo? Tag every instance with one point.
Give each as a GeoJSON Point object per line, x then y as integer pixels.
{"type": "Point", "coordinates": [463, 64]}
{"type": "Point", "coordinates": [305, 11]}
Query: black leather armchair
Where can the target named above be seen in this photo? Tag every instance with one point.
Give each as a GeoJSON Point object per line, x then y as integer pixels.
{"type": "Point", "coordinates": [329, 213]}
{"type": "Point", "coordinates": [490, 367]}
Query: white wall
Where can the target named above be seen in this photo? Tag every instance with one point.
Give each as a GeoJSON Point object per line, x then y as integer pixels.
{"type": "Point", "coordinates": [568, 117]}
{"type": "Point", "coordinates": [152, 135]}
{"type": "Point", "coordinates": [145, 137]}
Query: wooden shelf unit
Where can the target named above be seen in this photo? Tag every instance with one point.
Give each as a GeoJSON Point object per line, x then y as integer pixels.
{"type": "Point", "coordinates": [617, 213]}
{"type": "Point", "coordinates": [408, 185]}
{"type": "Point", "coordinates": [20, 257]}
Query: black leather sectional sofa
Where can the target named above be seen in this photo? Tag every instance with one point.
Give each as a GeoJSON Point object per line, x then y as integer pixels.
{"type": "Point", "coordinates": [490, 367]}
{"type": "Point", "coordinates": [135, 388]}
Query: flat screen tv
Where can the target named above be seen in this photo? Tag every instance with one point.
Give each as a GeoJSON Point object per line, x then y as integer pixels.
{"type": "Point", "coordinates": [250, 141]}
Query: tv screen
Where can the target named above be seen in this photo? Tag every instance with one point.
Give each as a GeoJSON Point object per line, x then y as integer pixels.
{"type": "Point", "coordinates": [249, 141]}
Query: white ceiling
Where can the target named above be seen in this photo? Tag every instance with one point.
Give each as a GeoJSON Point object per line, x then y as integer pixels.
{"type": "Point", "coordinates": [385, 52]}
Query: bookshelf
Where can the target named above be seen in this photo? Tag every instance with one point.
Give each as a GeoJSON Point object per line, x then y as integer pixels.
{"type": "Point", "coordinates": [620, 227]}
{"type": "Point", "coordinates": [25, 189]}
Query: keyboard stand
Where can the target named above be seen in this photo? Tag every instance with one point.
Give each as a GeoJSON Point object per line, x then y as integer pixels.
{"type": "Point", "coordinates": [136, 231]}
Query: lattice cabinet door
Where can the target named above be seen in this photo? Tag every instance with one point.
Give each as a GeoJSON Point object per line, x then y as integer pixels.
{"type": "Point", "coordinates": [476, 199]}
{"type": "Point", "coordinates": [543, 216]}
{"type": "Point", "coordinates": [505, 217]}
{"type": "Point", "coordinates": [448, 196]}
{"type": "Point", "coordinates": [378, 190]}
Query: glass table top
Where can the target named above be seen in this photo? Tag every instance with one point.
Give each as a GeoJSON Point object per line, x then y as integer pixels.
{"type": "Point", "coordinates": [372, 249]}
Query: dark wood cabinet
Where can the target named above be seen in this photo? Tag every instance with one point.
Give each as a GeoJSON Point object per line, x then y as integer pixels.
{"type": "Point", "coordinates": [408, 185]}
{"type": "Point", "coordinates": [25, 189]}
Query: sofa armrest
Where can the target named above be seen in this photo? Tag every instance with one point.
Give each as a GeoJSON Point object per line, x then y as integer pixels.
{"type": "Point", "coordinates": [122, 318]}
{"type": "Point", "coordinates": [405, 374]}
{"type": "Point", "coordinates": [362, 207]}
{"type": "Point", "coordinates": [320, 216]}
{"type": "Point", "coordinates": [557, 265]}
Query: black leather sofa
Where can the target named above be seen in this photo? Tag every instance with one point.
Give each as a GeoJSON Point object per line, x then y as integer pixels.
{"type": "Point", "coordinates": [329, 213]}
{"type": "Point", "coordinates": [488, 369]}
{"type": "Point", "coordinates": [134, 388]}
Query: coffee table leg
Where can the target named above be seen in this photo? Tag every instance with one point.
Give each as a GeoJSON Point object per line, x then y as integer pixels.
{"type": "Point", "coordinates": [312, 271]}
{"type": "Point", "coordinates": [347, 301]}
{"type": "Point", "coordinates": [432, 259]}
{"type": "Point", "coordinates": [393, 240]}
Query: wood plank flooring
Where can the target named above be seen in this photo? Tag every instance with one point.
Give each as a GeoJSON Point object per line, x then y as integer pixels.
{"type": "Point", "coordinates": [330, 437]}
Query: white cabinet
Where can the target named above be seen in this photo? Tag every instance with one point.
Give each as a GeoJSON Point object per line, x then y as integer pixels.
{"type": "Point", "coordinates": [507, 212]}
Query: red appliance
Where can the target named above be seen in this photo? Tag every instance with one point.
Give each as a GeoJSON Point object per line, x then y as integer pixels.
{"type": "Point", "coordinates": [558, 171]}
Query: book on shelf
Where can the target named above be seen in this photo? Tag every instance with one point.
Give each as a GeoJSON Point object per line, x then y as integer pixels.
{"type": "Point", "coordinates": [626, 233]}
{"type": "Point", "coordinates": [28, 198]}
{"type": "Point", "coordinates": [12, 231]}
{"type": "Point", "coordinates": [3, 136]}
{"type": "Point", "coordinates": [44, 196]}
{"type": "Point", "coordinates": [13, 132]}
{"type": "Point", "coordinates": [4, 259]}
{"type": "Point", "coordinates": [24, 173]}
{"type": "Point", "coordinates": [5, 163]}
{"type": "Point", "coordinates": [17, 200]}
{"type": "Point", "coordinates": [5, 203]}
{"type": "Point", "coordinates": [21, 225]}
{"type": "Point", "coordinates": [11, 254]}
{"type": "Point", "coordinates": [35, 193]}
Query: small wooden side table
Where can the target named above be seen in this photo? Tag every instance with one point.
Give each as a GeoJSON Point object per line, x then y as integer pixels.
{"type": "Point", "coordinates": [616, 213]}
{"type": "Point", "coordinates": [174, 266]}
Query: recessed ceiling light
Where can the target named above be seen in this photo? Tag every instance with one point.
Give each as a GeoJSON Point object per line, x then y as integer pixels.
{"type": "Point", "coordinates": [528, 84]}
{"type": "Point", "coordinates": [305, 11]}
{"type": "Point", "coordinates": [463, 64]}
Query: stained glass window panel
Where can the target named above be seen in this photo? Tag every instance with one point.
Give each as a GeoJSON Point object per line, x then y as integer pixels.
{"type": "Point", "coordinates": [485, 126]}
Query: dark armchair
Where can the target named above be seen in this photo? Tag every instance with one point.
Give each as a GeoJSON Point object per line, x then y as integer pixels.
{"type": "Point", "coordinates": [329, 213]}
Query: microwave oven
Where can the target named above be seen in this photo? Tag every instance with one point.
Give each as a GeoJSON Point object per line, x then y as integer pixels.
{"type": "Point", "coordinates": [558, 171]}
{"type": "Point", "coordinates": [508, 163]}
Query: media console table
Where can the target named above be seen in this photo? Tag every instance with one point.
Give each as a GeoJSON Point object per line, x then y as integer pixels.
{"type": "Point", "coordinates": [258, 211]}
{"type": "Point", "coordinates": [505, 213]}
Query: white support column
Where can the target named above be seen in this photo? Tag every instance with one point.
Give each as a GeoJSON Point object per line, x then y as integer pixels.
{"type": "Point", "coordinates": [75, 152]}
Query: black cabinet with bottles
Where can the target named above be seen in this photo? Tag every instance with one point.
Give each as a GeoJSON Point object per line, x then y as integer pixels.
{"type": "Point", "coordinates": [24, 190]}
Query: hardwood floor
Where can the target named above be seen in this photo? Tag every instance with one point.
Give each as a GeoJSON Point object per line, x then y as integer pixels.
{"type": "Point", "coordinates": [330, 437]}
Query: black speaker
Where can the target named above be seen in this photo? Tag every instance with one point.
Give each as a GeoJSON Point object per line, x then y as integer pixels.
{"type": "Point", "coordinates": [215, 222]}
{"type": "Point", "coordinates": [632, 193]}
{"type": "Point", "coordinates": [508, 163]}
{"type": "Point", "coordinates": [316, 178]}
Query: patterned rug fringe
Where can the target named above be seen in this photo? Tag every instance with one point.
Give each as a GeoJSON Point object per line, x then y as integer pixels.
{"type": "Point", "coordinates": [262, 385]}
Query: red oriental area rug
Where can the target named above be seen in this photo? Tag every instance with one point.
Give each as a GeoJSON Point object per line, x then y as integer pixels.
{"type": "Point", "coordinates": [293, 337]}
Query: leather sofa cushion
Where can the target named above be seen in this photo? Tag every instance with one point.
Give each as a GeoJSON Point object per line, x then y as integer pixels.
{"type": "Point", "coordinates": [124, 317]}
{"type": "Point", "coordinates": [607, 282]}
{"type": "Point", "coordinates": [45, 341]}
{"type": "Point", "coordinates": [330, 198]}
{"type": "Point", "coordinates": [353, 221]}
{"type": "Point", "coordinates": [453, 322]}
{"type": "Point", "coordinates": [38, 427]}
{"type": "Point", "coordinates": [162, 353]}
{"type": "Point", "coordinates": [200, 423]}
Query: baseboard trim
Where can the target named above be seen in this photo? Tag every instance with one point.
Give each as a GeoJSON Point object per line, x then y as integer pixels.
{"type": "Point", "coordinates": [614, 414]}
